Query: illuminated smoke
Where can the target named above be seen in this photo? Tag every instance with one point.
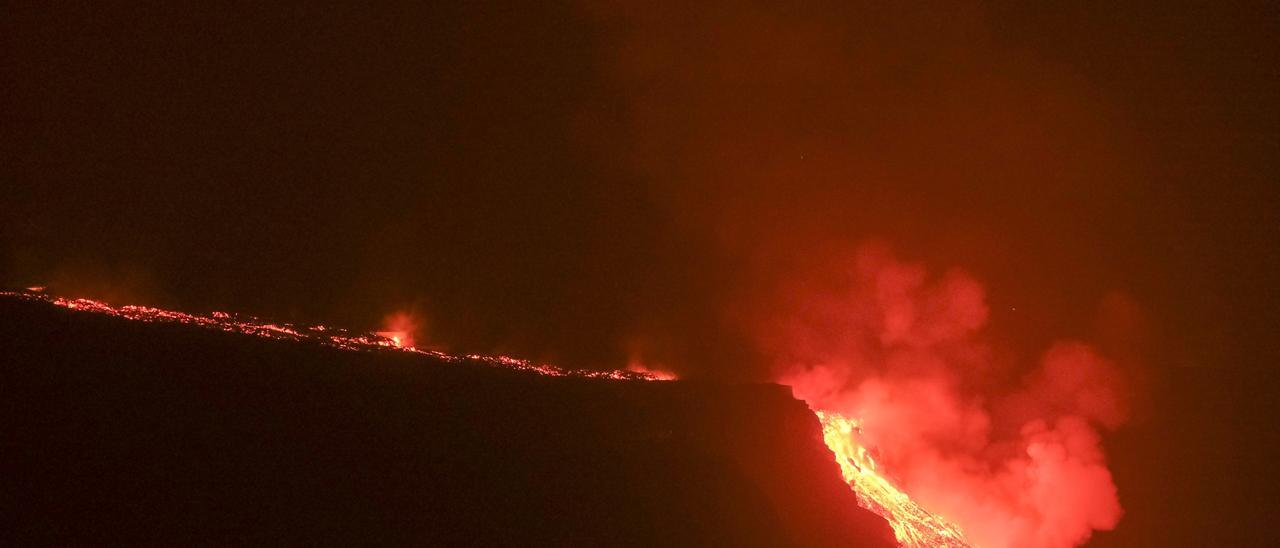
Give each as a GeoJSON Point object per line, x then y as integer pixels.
{"type": "Point", "coordinates": [401, 328]}
{"type": "Point", "coordinates": [634, 365]}
{"type": "Point", "coordinates": [778, 136]}
{"type": "Point", "coordinates": [903, 353]}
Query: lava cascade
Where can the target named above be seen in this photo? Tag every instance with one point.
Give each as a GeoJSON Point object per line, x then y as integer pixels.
{"type": "Point", "coordinates": [912, 525]}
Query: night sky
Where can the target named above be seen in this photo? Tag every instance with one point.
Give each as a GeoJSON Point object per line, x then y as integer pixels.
{"type": "Point", "coordinates": [585, 183]}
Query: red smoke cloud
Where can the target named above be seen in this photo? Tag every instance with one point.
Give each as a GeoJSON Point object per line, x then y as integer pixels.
{"type": "Point", "coordinates": [1015, 459]}
{"type": "Point", "coordinates": [777, 136]}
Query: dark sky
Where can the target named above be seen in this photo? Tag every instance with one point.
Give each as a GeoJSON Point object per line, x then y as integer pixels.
{"type": "Point", "coordinates": [561, 180]}
{"type": "Point", "coordinates": [583, 182]}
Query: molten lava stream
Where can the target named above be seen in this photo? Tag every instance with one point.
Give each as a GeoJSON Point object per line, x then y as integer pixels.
{"type": "Point", "coordinates": [913, 526]}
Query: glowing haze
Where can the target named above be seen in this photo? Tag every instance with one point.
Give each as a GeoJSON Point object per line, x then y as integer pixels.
{"type": "Point", "coordinates": [901, 351]}
{"type": "Point", "coordinates": [780, 137]}
{"type": "Point", "coordinates": [402, 328]}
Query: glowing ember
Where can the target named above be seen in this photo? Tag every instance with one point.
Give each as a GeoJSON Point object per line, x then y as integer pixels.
{"type": "Point", "coordinates": [912, 525]}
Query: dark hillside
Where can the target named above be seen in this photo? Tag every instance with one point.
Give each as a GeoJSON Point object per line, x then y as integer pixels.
{"type": "Point", "coordinates": [126, 432]}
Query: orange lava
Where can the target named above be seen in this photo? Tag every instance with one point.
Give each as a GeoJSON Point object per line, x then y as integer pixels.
{"type": "Point", "coordinates": [324, 335]}
{"type": "Point", "coordinates": [912, 525]}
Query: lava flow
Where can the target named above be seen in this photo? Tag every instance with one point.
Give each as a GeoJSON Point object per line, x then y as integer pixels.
{"type": "Point", "coordinates": [320, 334]}
{"type": "Point", "coordinates": [913, 526]}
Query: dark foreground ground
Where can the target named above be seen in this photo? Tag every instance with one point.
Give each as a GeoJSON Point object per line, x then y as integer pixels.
{"type": "Point", "coordinates": [121, 432]}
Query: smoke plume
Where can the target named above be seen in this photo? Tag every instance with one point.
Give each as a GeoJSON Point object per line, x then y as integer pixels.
{"type": "Point", "coordinates": [781, 139]}
{"type": "Point", "coordinates": [1014, 458]}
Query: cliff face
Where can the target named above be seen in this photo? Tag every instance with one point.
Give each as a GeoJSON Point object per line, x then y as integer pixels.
{"type": "Point", "coordinates": [120, 431]}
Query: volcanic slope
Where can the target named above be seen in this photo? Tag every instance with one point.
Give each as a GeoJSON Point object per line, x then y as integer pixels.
{"type": "Point", "coordinates": [119, 431]}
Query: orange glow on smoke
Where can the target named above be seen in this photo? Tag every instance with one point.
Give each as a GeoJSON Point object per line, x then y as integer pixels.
{"type": "Point", "coordinates": [636, 365]}
{"type": "Point", "coordinates": [400, 328]}
{"type": "Point", "coordinates": [897, 364]}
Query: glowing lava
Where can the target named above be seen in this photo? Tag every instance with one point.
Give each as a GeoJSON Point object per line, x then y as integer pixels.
{"type": "Point", "coordinates": [396, 340]}
{"type": "Point", "coordinates": [912, 525]}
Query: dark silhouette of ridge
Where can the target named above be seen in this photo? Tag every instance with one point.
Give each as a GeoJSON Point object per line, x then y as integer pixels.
{"type": "Point", "coordinates": [126, 432]}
